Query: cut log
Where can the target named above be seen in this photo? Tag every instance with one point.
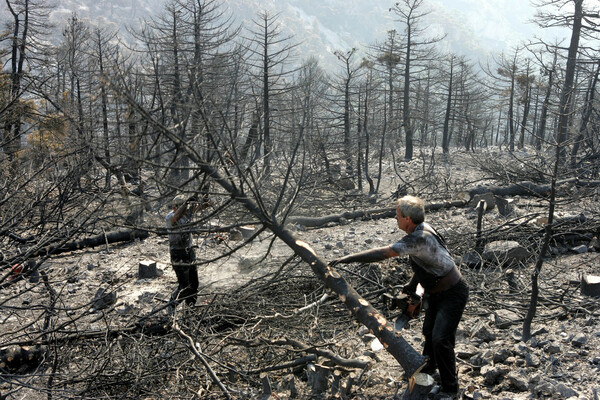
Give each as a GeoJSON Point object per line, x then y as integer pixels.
{"type": "Point", "coordinates": [590, 285]}
{"type": "Point", "coordinates": [21, 359]}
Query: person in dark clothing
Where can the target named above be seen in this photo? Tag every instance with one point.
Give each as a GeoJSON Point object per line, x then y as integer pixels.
{"type": "Point", "coordinates": [435, 270]}
{"type": "Point", "coordinates": [182, 253]}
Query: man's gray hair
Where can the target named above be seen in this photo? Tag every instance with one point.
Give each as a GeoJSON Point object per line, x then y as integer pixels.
{"type": "Point", "coordinates": [413, 207]}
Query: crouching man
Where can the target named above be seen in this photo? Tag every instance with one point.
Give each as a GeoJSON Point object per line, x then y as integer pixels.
{"type": "Point", "coordinates": [433, 268]}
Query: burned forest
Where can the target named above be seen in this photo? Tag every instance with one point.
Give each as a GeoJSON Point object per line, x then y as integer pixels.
{"type": "Point", "coordinates": [301, 165]}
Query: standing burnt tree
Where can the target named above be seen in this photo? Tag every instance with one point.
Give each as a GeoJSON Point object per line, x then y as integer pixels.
{"type": "Point", "coordinates": [564, 121]}
{"type": "Point", "coordinates": [344, 86]}
{"type": "Point", "coordinates": [417, 49]}
{"type": "Point", "coordinates": [27, 28]}
{"type": "Point", "coordinates": [270, 56]}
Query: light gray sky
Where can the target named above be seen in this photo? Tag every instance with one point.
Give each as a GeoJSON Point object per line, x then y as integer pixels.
{"type": "Point", "coordinates": [488, 26]}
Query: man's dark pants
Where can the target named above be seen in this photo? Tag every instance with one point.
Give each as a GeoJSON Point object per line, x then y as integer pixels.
{"type": "Point", "coordinates": [443, 314]}
{"type": "Point", "coordinates": [183, 262]}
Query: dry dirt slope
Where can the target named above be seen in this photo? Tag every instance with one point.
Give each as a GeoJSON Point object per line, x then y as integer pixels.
{"type": "Point", "coordinates": [561, 361]}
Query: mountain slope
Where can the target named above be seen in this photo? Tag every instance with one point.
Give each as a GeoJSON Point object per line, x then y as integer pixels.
{"type": "Point", "coordinates": [324, 26]}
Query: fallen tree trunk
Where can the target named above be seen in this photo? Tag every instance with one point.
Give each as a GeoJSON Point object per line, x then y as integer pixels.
{"type": "Point", "coordinates": [525, 188]}
{"type": "Point", "coordinates": [125, 235]}
{"type": "Point", "coordinates": [528, 188]}
{"type": "Point", "coordinates": [315, 222]}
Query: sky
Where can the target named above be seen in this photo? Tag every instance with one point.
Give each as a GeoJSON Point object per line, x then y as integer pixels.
{"type": "Point", "coordinates": [496, 25]}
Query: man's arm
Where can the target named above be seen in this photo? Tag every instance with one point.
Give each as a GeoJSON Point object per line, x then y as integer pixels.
{"type": "Point", "coordinates": [179, 213]}
{"type": "Point", "coordinates": [371, 255]}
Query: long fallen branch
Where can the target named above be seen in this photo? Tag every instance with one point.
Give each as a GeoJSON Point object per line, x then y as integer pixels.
{"type": "Point", "coordinates": [528, 188]}
{"type": "Point", "coordinates": [296, 312]}
{"type": "Point", "coordinates": [301, 346]}
{"type": "Point", "coordinates": [291, 364]}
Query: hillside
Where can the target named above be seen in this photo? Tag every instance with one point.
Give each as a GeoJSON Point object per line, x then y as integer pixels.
{"type": "Point", "coordinates": [323, 27]}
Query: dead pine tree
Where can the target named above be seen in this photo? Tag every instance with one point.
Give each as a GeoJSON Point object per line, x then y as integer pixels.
{"type": "Point", "coordinates": [561, 138]}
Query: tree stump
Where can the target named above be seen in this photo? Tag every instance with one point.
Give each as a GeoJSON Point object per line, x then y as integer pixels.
{"type": "Point", "coordinates": [590, 285]}
{"type": "Point", "coordinates": [266, 384]}
{"type": "Point", "coordinates": [247, 231]}
{"type": "Point", "coordinates": [488, 198]}
{"type": "Point", "coordinates": [147, 269]}
{"type": "Point", "coordinates": [289, 383]}
{"type": "Point", "coordinates": [346, 388]}
{"type": "Point", "coordinates": [336, 384]}
{"type": "Point", "coordinates": [235, 234]}
{"type": "Point", "coordinates": [511, 280]}
{"type": "Point", "coordinates": [505, 206]}
{"type": "Point", "coordinates": [317, 378]}
{"type": "Point", "coordinates": [418, 387]}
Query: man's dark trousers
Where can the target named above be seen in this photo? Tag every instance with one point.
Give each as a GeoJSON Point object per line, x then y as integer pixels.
{"type": "Point", "coordinates": [183, 262]}
{"type": "Point", "coordinates": [443, 314]}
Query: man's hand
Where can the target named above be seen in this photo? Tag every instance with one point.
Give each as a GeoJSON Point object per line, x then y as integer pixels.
{"type": "Point", "coordinates": [411, 286]}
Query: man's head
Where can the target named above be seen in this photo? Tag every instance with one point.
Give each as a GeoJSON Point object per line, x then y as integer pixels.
{"type": "Point", "coordinates": [410, 212]}
{"type": "Point", "coordinates": [178, 201]}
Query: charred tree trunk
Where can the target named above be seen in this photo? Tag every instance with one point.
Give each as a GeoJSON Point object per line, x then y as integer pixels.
{"type": "Point", "coordinates": [93, 241]}
{"type": "Point", "coordinates": [409, 359]}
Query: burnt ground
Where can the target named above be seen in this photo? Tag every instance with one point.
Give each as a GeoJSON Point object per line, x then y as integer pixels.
{"type": "Point", "coordinates": [250, 306]}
